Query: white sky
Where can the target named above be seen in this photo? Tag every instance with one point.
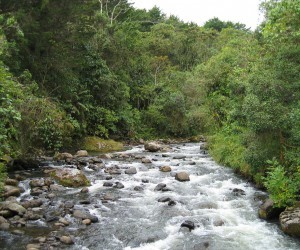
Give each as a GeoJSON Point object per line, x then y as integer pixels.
{"type": "Point", "coordinates": [200, 11]}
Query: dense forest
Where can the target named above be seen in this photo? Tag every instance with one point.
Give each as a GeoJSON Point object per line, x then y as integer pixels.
{"type": "Point", "coordinates": [76, 68]}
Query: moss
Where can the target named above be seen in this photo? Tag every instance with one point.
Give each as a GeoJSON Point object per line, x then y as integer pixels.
{"type": "Point", "coordinates": [97, 144]}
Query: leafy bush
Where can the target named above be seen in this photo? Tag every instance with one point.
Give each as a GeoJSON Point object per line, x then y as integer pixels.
{"type": "Point", "coordinates": [283, 189]}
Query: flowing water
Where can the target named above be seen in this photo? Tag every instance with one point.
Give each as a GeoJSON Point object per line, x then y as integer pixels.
{"type": "Point", "coordinates": [136, 220]}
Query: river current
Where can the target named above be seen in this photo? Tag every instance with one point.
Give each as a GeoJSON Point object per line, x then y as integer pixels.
{"type": "Point", "coordinates": [224, 219]}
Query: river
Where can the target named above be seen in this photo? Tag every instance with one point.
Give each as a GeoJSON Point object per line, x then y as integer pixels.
{"type": "Point", "coordinates": [224, 219]}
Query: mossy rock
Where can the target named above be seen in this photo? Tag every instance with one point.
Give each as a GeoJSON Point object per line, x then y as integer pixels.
{"type": "Point", "coordinates": [70, 177]}
{"type": "Point", "coordinates": [96, 144]}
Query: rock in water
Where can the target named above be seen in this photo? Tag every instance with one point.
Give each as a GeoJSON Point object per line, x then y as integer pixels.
{"type": "Point", "coordinates": [165, 169]}
{"type": "Point", "coordinates": [70, 177]}
{"type": "Point", "coordinates": [152, 146]}
{"type": "Point", "coordinates": [131, 171]}
{"type": "Point", "coordinates": [182, 176]}
{"type": "Point", "coordinates": [189, 224]}
{"type": "Point", "coordinates": [290, 221]}
{"type": "Point", "coordinates": [66, 240]}
{"type": "Point", "coordinates": [160, 186]}
{"type": "Point", "coordinates": [268, 211]}
{"type": "Point", "coordinates": [82, 153]}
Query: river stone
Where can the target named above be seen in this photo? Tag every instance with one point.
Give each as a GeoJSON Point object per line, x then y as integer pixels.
{"type": "Point", "coordinates": [143, 169]}
{"type": "Point", "coordinates": [146, 160]}
{"type": "Point", "coordinates": [70, 177]}
{"type": "Point", "coordinates": [145, 181]}
{"type": "Point", "coordinates": [108, 184]}
{"type": "Point", "coordinates": [113, 170]}
{"type": "Point", "coordinates": [165, 169]}
{"type": "Point", "coordinates": [268, 211]}
{"type": "Point", "coordinates": [84, 190]}
{"type": "Point", "coordinates": [182, 176]}
{"type": "Point", "coordinates": [63, 156]}
{"type": "Point", "coordinates": [179, 157]}
{"type": "Point", "coordinates": [55, 187]}
{"type": "Point", "coordinates": [164, 199]}
{"type": "Point", "coordinates": [87, 222]}
{"type": "Point", "coordinates": [290, 221]}
{"type": "Point", "coordinates": [66, 240]}
{"type": "Point", "coordinates": [81, 214]}
{"type": "Point", "coordinates": [188, 224]}
{"type": "Point", "coordinates": [131, 170]}
{"type": "Point", "coordinates": [171, 203]}
{"type": "Point", "coordinates": [138, 188]}
{"type": "Point", "coordinates": [11, 182]}
{"type": "Point", "coordinates": [81, 153]}
{"type": "Point", "coordinates": [11, 191]}
{"type": "Point", "coordinates": [160, 186]}
{"type": "Point", "coordinates": [16, 208]}
{"type": "Point", "coordinates": [119, 185]}
{"type": "Point", "coordinates": [238, 192]}
{"type": "Point", "coordinates": [33, 247]}
{"type": "Point", "coordinates": [32, 203]}
{"type": "Point", "coordinates": [64, 221]}
{"type": "Point", "coordinates": [152, 146]}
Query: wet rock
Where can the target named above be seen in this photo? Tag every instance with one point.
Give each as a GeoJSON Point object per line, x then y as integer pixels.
{"type": "Point", "coordinates": [87, 222]}
{"type": "Point", "coordinates": [85, 202]}
{"type": "Point", "coordinates": [55, 187]}
{"type": "Point", "coordinates": [66, 240]}
{"type": "Point", "coordinates": [165, 169]}
{"type": "Point", "coordinates": [179, 157]}
{"type": "Point", "coordinates": [31, 215]}
{"type": "Point", "coordinates": [6, 213]}
{"type": "Point", "coordinates": [119, 185]}
{"type": "Point", "coordinates": [145, 181]}
{"type": "Point", "coordinates": [188, 224]}
{"type": "Point", "coordinates": [81, 153]}
{"type": "Point", "coordinates": [146, 160]}
{"type": "Point", "coordinates": [268, 211]}
{"type": "Point", "coordinates": [131, 170]}
{"type": "Point", "coordinates": [109, 197]}
{"type": "Point", "coordinates": [138, 188]}
{"type": "Point", "coordinates": [290, 221]}
{"type": "Point", "coordinates": [64, 221]}
{"type": "Point", "coordinates": [238, 192]}
{"type": "Point", "coordinates": [33, 247]}
{"type": "Point", "coordinates": [108, 184]}
{"type": "Point", "coordinates": [165, 155]}
{"type": "Point", "coordinates": [192, 163]}
{"type": "Point", "coordinates": [96, 160]}
{"type": "Point", "coordinates": [172, 203]}
{"type": "Point", "coordinates": [84, 190]}
{"type": "Point", "coordinates": [82, 214]}
{"type": "Point", "coordinates": [11, 182]}
{"type": "Point", "coordinates": [11, 191]}
{"type": "Point", "coordinates": [113, 170]}
{"type": "Point", "coordinates": [108, 177]}
{"type": "Point", "coordinates": [152, 146]}
{"type": "Point", "coordinates": [218, 222]}
{"type": "Point", "coordinates": [160, 186]}
{"type": "Point", "coordinates": [70, 177]}
{"type": "Point", "coordinates": [166, 189]}
{"type": "Point", "coordinates": [32, 203]}
{"type": "Point", "coordinates": [182, 176]}
{"type": "Point", "coordinates": [164, 199]}
{"type": "Point", "coordinates": [36, 191]}
{"type": "Point", "coordinates": [14, 207]}
{"type": "Point", "coordinates": [63, 156]}
{"type": "Point", "coordinates": [4, 225]}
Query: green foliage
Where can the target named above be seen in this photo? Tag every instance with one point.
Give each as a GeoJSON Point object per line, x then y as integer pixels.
{"type": "Point", "coordinates": [283, 189]}
{"type": "Point", "coordinates": [96, 144]}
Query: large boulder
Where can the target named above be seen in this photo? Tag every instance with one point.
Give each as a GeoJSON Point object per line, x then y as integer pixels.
{"type": "Point", "coordinates": [268, 211]}
{"type": "Point", "coordinates": [290, 221]}
{"type": "Point", "coordinates": [63, 156]}
{"type": "Point", "coordinates": [14, 207]}
{"type": "Point", "coordinates": [70, 177]}
{"type": "Point", "coordinates": [182, 176]}
{"type": "Point", "coordinates": [82, 153]}
{"type": "Point", "coordinates": [152, 146]}
{"type": "Point", "coordinates": [11, 191]}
